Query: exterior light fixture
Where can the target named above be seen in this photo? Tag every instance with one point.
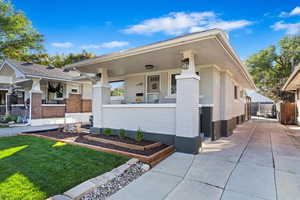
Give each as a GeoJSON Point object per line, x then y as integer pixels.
{"type": "Point", "coordinates": [185, 63]}
{"type": "Point", "coordinates": [98, 76]}
{"type": "Point", "coordinates": [149, 67]}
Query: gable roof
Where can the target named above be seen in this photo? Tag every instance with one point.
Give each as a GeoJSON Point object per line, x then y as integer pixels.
{"type": "Point", "coordinates": [292, 82]}
{"type": "Point", "coordinates": [41, 71]}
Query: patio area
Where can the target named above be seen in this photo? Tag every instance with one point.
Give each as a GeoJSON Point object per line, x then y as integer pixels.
{"type": "Point", "coordinates": [259, 161]}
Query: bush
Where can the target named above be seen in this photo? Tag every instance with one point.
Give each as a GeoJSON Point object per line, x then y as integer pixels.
{"type": "Point", "coordinates": [9, 118]}
{"type": "Point", "coordinates": [139, 135]}
{"type": "Point", "coordinates": [121, 133]}
{"type": "Point", "coordinates": [107, 131]}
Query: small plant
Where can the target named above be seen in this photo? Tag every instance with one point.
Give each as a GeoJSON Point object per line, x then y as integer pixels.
{"type": "Point", "coordinates": [122, 133]}
{"type": "Point", "coordinates": [107, 131]}
{"type": "Point", "coordinates": [139, 135]}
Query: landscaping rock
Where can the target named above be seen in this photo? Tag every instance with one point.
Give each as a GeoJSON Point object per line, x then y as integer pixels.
{"type": "Point", "coordinates": [145, 167]}
{"type": "Point", "coordinates": [118, 182]}
{"type": "Point", "coordinates": [132, 161]}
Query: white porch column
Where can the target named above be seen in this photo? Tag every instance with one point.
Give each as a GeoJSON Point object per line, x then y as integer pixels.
{"type": "Point", "coordinates": [101, 96]}
{"type": "Point", "coordinates": [187, 107]}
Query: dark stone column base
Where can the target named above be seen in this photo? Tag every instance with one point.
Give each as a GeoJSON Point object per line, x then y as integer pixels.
{"type": "Point", "coordinates": [224, 128]}
{"type": "Point", "coordinates": [188, 145]}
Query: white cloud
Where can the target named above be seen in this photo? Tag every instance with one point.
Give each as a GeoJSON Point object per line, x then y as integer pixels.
{"type": "Point", "coordinates": [291, 29]}
{"type": "Point", "coordinates": [62, 44]}
{"type": "Point", "coordinates": [182, 22]}
{"type": "Point", "coordinates": [295, 11]}
{"type": "Point", "coordinates": [112, 44]}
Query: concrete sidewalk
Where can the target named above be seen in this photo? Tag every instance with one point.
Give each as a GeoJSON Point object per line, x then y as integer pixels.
{"type": "Point", "coordinates": [16, 130]}
{"type": "Point", "coordinates": [258, 162]}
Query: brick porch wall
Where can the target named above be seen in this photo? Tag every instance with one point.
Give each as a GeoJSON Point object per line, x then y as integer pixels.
{"type": "Point", "coordinates": [53, 111]}
{"type": "Point", "coordinates": [74, 103]}
{"type": "Point", "coordinates": [86, 105]}
{"type": "Point", "coordinates": [36, 105]}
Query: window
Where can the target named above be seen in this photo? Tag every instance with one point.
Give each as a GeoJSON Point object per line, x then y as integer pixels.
{"type": "Point", "coordinates": [173, 83]}
{"type": "Point", "coordinates": [117, 88]}
{"type": "Point", "coordinates": [235, 92]}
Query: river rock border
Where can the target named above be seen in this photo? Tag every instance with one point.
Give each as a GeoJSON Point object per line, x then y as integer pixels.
{"type": "Point", "coordinates": [88, 186]}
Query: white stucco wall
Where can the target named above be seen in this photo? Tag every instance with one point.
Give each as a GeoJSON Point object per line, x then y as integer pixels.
{"type": "Point", "coordinates": [157, 118]}
{"type": "Point", "coordinates": [87, 91]}
{"type": "Point", "coordinates": [233, 107]}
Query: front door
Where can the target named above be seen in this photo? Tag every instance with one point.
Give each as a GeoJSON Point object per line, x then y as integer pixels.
{"type": "Point", "coordinates": [153, 88]}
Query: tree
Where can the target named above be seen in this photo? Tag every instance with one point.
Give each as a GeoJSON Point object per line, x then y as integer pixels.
{"type": "Point", "coordinates": [271, 67]}
{"type": "Point", "coordinates": [17, 36]}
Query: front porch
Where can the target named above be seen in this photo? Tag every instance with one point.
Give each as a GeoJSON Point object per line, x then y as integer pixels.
{"type": "Point", "coordinates": [175, 91]}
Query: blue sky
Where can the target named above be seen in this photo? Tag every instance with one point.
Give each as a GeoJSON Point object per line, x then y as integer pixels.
{"type": "Point", "coordinates": [107, 26]}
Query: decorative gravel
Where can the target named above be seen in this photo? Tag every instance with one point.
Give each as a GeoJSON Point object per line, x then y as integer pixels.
{"type": "Point", "coordinates": [111, 187]}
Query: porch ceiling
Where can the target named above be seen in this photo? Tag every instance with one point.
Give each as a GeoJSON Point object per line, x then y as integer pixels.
{"type": "Point", "coordinates": [208, 50]}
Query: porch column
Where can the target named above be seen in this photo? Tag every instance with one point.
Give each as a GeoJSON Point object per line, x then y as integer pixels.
{"type": "Point", "coordinates": [101, 96]}
{"type": "Point", "coordinates": [187, 107]}
{"type": "Point", "coordinates": [8, 100]}
{"type": "Point", "coordinates": [35, 107]}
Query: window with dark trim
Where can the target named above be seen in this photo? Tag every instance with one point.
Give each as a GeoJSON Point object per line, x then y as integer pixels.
{"type": "Point", "coordinates": [235, 92]}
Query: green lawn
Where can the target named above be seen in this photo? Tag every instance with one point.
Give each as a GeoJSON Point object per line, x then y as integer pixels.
{"type": "Point", "coordinates": [34, 168]}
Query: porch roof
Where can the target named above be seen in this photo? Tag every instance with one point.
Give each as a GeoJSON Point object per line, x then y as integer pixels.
{"type": "Point", "coordinates": [32, 70]}
{"type": "Point", "coordinates": [293, 81]}
{"type": "Point", "coordinates": [210, 47]}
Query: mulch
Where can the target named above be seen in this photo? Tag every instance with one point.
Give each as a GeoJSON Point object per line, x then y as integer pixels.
{"type": "Point", "coordinates": [147, 152]}
{"type": "Point", "coordinates": [125, 140]}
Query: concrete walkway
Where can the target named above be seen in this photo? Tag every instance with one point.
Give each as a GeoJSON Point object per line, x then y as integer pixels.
{"type": "Point", "coordinates": [258, 162]}
{"type": "Point", "coordinates": [16, 130]}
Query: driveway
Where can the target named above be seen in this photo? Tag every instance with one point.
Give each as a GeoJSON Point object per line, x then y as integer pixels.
{"type": "Point", "coordinates": [258, 162]}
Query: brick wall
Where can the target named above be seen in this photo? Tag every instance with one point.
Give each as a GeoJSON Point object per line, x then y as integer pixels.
{"type": "Point", "coordinates": [86, 105]}
{"type": "Point", "coordinates": [74, 103]}
{"type": "Point", "coordinates": [53, 111]}
{"type": "Point", "coordinates": [36, 109]}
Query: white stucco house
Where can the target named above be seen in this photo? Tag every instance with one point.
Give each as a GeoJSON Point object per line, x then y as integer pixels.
{"type": "Point", "coordinates": [174, 90]}
{"type": "Point", "coordinates": [44, 94]}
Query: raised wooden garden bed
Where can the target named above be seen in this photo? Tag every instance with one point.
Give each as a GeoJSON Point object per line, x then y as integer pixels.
{"type": "Point", "coordinates": [123, 142]}
{"type": "Point", "coordinates": [146, 151]}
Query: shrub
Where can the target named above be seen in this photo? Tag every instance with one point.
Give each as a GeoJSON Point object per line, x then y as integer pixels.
{"type": "Point", "coordinates": [122, 133]}
{"type": "Point", "coordinates": [107, 131]}
{"type": "Point", "coordinates": [139, 135]}
{"type": "Point", "coordinates": [9, 118]}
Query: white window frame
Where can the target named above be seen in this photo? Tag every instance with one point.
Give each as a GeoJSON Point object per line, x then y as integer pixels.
{"type": "Point", "coordinates": [170, 73]}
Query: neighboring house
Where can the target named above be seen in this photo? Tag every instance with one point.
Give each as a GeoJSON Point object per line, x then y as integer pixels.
{"type": "Point", "coordinates": [291, 112]}
{"type": "Point", "coordinates": [261, 105]}
{"type": "Point", "coordinates": [44, 94]}
{"type": "Point", "coordinates": [174, 90]}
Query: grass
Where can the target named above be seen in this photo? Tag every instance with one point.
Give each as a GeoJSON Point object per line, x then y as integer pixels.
{"type": "Point", "coordinates": [32, 168]}
{"type": "Point", "coordinates": [4, 126]}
